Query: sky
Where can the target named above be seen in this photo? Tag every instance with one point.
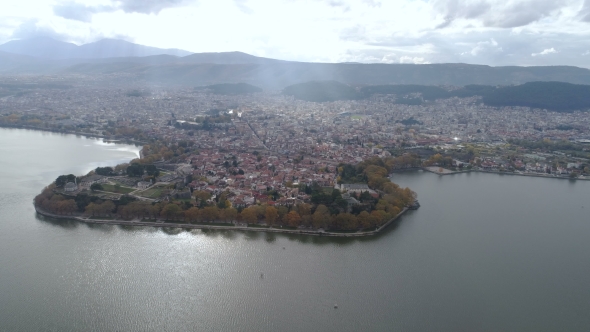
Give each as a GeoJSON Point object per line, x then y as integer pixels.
{"type": "Point", "coordinates": [487, 32]}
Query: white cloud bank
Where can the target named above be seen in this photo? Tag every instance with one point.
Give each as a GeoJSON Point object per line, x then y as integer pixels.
{"type": "Point", "coordinates": [545, 52]}
{"type": "Point", "coordinates": [492, 32]}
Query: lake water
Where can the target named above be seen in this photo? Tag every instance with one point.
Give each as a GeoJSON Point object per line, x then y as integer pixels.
{"type": "Point", "coordinates": [484, 253]}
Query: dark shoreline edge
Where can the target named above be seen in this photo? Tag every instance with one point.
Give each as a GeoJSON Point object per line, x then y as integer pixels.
{"type": "Point", "coordinates": [65, 132]}
{"type": "Point", "coordinates": [237, 228]}
{"type": "Point", "coordinates": [489, 172]}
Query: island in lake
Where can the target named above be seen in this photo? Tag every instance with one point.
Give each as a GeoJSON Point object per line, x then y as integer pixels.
{"type": "Point", "coordinates": [223, 191]}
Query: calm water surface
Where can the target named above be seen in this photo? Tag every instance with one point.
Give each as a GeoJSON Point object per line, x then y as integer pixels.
{"type": "Point", "coordinates": [484, 253]}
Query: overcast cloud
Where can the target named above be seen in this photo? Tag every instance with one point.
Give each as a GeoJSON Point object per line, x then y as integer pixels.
{"type": "Point", "coordinates": [491, 32]}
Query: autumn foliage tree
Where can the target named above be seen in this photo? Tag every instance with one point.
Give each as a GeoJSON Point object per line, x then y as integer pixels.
{"type": "Point", "coordinates": [249, 216]}
{"type": "Point", "coordinates": [271, 215]}
{"type": "Point", "coordinates": [293, 219]}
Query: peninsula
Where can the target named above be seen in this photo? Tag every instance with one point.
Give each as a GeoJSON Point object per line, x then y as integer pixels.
{"type": "Point", "coordinates": [349, 200]}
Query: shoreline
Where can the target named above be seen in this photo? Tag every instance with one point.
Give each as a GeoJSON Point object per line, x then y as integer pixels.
{"type": "Point", "coordinates": [491, 172]}
{"type": "Point", "coordinates": [65, 132]}
{"type": "Point", "coordinates": [213, 227]}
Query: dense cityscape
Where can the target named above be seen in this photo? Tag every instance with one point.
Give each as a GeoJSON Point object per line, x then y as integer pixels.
{"type": "Point", "coordinates": [270, 154]}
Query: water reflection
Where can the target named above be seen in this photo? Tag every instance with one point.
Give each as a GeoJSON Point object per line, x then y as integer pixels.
{"type": "Point", "coordinates": [252, 235]}
{"type": "Point", "coordinates": [270, 237]}
{"type": "Point", "coordinates": [63, 223]}
{"type": "Point", "coordinates": [210, 232]}
{"type": "Point", "coordinates": [101, 227]}
{"type": "Point", "coordinates": [228, 234]}
{"type": "Point", "coordinates": [172, 230]}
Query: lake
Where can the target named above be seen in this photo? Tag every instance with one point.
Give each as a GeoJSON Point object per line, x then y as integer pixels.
{"type": "Point", "coordinates": [485, 252]}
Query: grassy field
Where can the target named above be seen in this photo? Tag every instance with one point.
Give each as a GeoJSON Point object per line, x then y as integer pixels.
{"type": "Point", "coordinates": [121, 190]}
{"type": "Point", "coordinates": [153, 192]}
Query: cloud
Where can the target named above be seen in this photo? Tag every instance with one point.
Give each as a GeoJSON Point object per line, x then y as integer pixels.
{"type": "Point", "coordinates": [545, 52]}
{"type": "Point", "coordinates": [452, 10]}
{"type": "Point", "coordinates": [241, 4]}
{"type": "Point", "coordinates": [584, 13]}
{"type": "Point", "coordinates": [496, 13]}
{"type": "Point", "coordinates": [372, 3]}
{"type": "Point", "coordinates": [495, 47]}
{"type": "Point", "coordinates": [31, 29]}
{"type": "Point", "coordinates": [148, 6]}
{"type": "Point", "coordinates": [338, 4]}
{"type": "Point", "coordinates": [482, 47]}
{"type": "Point", "coordinates": [80, 12]}
{"type": "Point", "coordinates": [414, 60]}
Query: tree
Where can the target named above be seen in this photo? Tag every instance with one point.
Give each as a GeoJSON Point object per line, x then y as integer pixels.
{"type": "Point", "coordinates": [135, 169]}
{"type": "Point", "coordinates": [171, 211]}
{"type": "Point", "coordinates": [304, 211]}
{"type": "Point", "coordinates": [210, 213]}
{"type": "Point", "coordinates": [229, 214]}
{"type": "Point", "coordinates": [222, 201]}
{"type": "Point", "coordinates": [260, 211]}
{"type": "Point", "coordinates": [107, 208]}
{"type": "Point", "coordinates": [96, 186]}
{"type": "Point", "coordinates": [63, 179]}
{"type": "Point", "coordinates": [152, 170]}
{"type": "Point", "coordinates": [282, 211]}
{"type": "Point", "coordinates": [67, 206]}
{"type": "Point", "coordinates": [249, 215]}
{"type": "Point", "coordinates": [377, 218]}
{"type": "Point", "coordinates": [293, 219]}
{"type": "Point", "coordinates": [364, 219]}
{"type": "Point", "coordinates": [271, 215]}
{"type": "Point", "coordinates": [321, 217]}
{"type": "Point", "coordinates": [192, 214]}
{"type": "Point", "coordinates": [91, 209]}
{"type": "Point", "coordinates": [345, 221]}
{"type": "Point", "coordinates": [201, 195]}
{"type": "Point", "coordinates": [106, 171]}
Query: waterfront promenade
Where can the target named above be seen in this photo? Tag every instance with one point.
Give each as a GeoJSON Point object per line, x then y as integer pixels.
{"type": "Point", "coordinates": [212, 226]}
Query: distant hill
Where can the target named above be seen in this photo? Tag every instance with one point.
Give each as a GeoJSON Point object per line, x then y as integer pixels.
{"type": "Point", "coordinates": [231, 89]}
{"type": "Point", "coordinates": [48, 48]}
{"type": "Point", "coordinates": [555, 96]}
{"type": "Point", "coordinates": [322, 91]}
{"type": "Point", "coordinates": [152, 66]}
{"type": "Point", "coordinates": [226, 58]}
{"type": "Point", "coordinates": [280, 74]}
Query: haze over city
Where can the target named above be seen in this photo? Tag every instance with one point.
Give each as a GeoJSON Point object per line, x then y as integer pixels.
{"type": "Point", "coordinates": [489, 32]}
{"type": "Point", "coordinates": [294, 165]}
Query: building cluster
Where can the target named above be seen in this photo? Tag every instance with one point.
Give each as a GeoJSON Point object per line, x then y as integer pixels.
{"type": "Point", "coordinates": [272, 142]}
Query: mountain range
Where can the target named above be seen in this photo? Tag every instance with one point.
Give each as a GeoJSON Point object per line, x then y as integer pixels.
{"type": "Point", "coordinates": [48, 48]}
{"type": "Point", "coordinates": [173, 67]}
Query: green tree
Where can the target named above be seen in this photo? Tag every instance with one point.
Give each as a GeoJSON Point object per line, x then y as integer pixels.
{"type": "Point", "coordinates": [63, 179]}
{"type": "Point", "coordinates": [171, 211]}
{"type": "Point", "coordinates": [96, 186]}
